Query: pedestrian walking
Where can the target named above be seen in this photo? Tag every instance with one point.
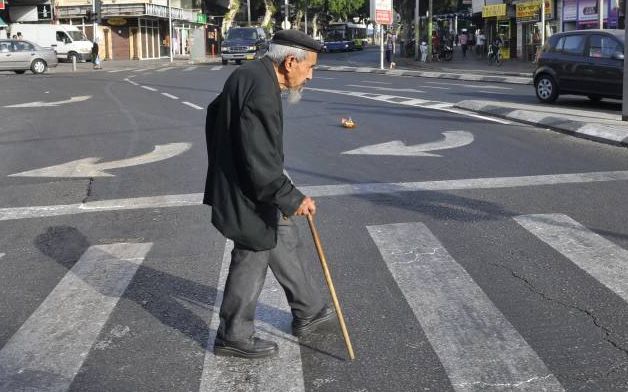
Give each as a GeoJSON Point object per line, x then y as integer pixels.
{"type": "Point", "coordinates": [390, 46]}
{"type": "Point", "coordinates": [479, 47]}
{"type": "Point", "coordinates": [253, 200]}
{"type": "Point", "coordinates": [464, 39]}
{"type": "Point", "coordinates": [96, 56]}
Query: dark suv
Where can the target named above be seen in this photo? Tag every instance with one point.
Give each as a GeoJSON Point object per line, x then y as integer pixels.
{"type": "Point", "coordinates": [244, 43]}
{"type": "Point", "coordinates": [582, 62]}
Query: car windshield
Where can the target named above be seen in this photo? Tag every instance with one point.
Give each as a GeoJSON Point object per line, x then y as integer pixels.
{"type": "Point", "coordinates": [77, 36]}
{"type": "Point", "coordinates": [242, 34]}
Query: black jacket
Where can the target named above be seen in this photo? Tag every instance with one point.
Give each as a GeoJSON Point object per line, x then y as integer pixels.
{"type": "Point", "coordinates": [245, 181]}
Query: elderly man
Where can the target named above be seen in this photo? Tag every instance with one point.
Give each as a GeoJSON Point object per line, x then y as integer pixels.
{"type": "Point", "coordinates": [252, 198]}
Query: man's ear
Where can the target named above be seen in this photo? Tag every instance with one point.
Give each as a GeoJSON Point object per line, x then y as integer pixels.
{"type": "Point", "coordinates": [289, 63]}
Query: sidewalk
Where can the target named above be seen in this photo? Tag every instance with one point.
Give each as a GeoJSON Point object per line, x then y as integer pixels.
{"type": "Point", "coordinates": [599, 126]}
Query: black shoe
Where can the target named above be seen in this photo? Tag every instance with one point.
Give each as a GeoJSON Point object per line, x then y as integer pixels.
{"type": "Point", "coordinates": [251, 348]}
{"type": "Point", "coordinates": [301, 326]}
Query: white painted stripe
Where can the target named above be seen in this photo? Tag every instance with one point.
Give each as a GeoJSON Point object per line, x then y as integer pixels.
{"type": "Point", "coordinates": [169, 96]}
{"type": "Point", "coordinates": [2, 255]}
{"type": "Point", "coordinates": [195, 199]}
{"type": "Point", "coordinates": [494, 92]}
{"type": "Point", "coordinates": [370, 81]}
{"type": "Point", "coordinates": [477, 346]}
{"type": "Point", "coordinates": [164, 69]}
{"type": "Point", "coordinates": [401, 90]}
{"type": "Point", "coordinates": [192, 105]}
{"type": "Point", "coordinates": [48, 350]}
{"type": "Point", "coordinates": [475, 86]}
{"type": "Point", "coordinates": [283, 372]}
{"type": "Point", "coordinates": [149, 88]}
{"type": "Point", "coordinates": [439, 105]}
{"type": "Point", "coordinates": [188, 69]}
{"type": "Point", "coordinates": [118, 70]}
{"type": "Point", "coordinates": [407, 101]}
{"type": "Point", "coordinates": [599, 257]}
{"type": "Point", "coordinates": [325, 78]}
{"type": "Point", "coordinates": [216, 68]}
{"type": "Point", "coordinates": [133, 83]}
{"type": "Point", "coordinates": [140, 69]}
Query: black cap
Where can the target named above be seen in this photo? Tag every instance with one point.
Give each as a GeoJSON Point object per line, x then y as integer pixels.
{"type": "Point", "coordinates": [297, 39]}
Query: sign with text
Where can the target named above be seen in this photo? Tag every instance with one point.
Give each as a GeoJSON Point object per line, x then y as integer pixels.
{"type": "Point", "coordinates": [531, 11]}
{"type": "Point", "coordinates": [382, 11]}
{"type": "Point", "coordinates": [494, 10]}
{"type": "Point", "coordinates": [1, 4]}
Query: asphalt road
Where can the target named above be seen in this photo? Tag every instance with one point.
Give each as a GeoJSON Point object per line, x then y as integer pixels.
{"type": "Point", "coordinates": [494, 264]}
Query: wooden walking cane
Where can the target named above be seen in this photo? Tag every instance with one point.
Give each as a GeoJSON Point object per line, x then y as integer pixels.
{"type": "Point", "coordinates": [330, 284]}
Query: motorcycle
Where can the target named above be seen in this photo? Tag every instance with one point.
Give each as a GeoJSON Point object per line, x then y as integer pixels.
{"type": "Point", "coordinates": [446, 52]}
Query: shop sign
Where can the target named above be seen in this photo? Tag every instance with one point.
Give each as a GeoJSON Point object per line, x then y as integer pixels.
{"type": "Point", "coordinates": [1, 4]}
{"type": "Point", "coordinates": [201, 18]}
{"type": "Point", "coordinates": [162, 11]}
{"type": "Point", "coordinates": [587, 9]}
{"type": "Point", "coordinates": [531, 11]}
{"type": "Point", "coordinates": [116, 21]}
{"type": "Point", "coordinates": [493, 10]}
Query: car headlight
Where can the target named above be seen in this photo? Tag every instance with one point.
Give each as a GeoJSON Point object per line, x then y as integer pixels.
{"type": "Point", "coordinates": [253, 48]}
{"type": "Point", "coordinates": [346, 45]}
{"type": "Point", "coordinates": [224, 50]}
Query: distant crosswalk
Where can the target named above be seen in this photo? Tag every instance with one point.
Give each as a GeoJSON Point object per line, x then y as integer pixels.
{"type": "Point", "coordinates": [167, 68]}
{"type": "Point", "coordinates": [478, 348]}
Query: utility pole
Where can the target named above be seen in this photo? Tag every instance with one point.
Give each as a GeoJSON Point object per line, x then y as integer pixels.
{"type": "Point", "coordinates": [600, 14]}
{"type": "Point", "coordinates": [416, 30]}
{"type": "Point", "coordinates": [306, 19]}
{"type": "Point", "coordinates": [286, 14]}
{"type": "Point", "coordinates": [429, 32]}
{"type": "Point", "coordinates": [542, 23]}
{"type": "Point", "coordinates": [624, 105]}
{"type": "Point", "coordinates": [95, 25]}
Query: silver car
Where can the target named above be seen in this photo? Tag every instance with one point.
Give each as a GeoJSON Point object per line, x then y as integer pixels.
{"type": "Point", "coordinates": [20, 56]}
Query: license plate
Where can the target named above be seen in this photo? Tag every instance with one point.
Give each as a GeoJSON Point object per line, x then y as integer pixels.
{"type": "Point", "coordinates": [250, 57]}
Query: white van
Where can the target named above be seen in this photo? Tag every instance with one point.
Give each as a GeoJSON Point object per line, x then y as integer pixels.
{"type": "Point", "coordinates": [66, 40]}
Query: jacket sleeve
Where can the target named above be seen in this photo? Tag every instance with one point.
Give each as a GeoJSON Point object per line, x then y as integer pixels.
{"type": "Point", "coordinates": [261, 150]}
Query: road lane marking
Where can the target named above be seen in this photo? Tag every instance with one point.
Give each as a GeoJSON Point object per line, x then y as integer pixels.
{"type": "Point", "coordinates": [89, 167]}
{"type": "Point", "coordinates": [407, 101]}
{"type": "Point", "coordinates": [325, 78]}
{"type": "Point", "coordinates": [453, 139]}
{"type": "Point", "coordinates": [283, 372]}
{"type": "Point", "coordinates": [132, 82]}
{"type": "Point", "coordinates": [169, 96]}
{"type": "Point", "coordinates": [39, 104]}
{"type": "Point", "coordinates": [48, 350]}
{"type": "Point", "coordinates": [599, 257]}
{"type": "Point", "coordinates": [2, 255]}
{"type": "Point", "coordinates": [195, 199]}
{"type": "Point", "coordinates": [192, 105]}
{"type": "Point", "coordinates": [401, 90]}
{"type": "Point", "coordinates": [149, 88]}
{"type": "Point", "coordinates": [140, 70]}
{"type": "Point", "coordinates": [369, 81]}
{"type": "Point", "coordinates": [188, 69]}
{"type": "Point", "coordinates": [455, 84]}
{"type": "Point", "coordinates": [494, 92]}
{"type": "Point", "coordinates": [164, 69]}
{"type": "Point", "coordinates": [216, 68]}
{"type": "Point", "coordinates": [477, 346]}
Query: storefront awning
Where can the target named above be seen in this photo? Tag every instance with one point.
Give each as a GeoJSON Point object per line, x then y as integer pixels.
{"type": "Point", "coordinates": [3, 23]}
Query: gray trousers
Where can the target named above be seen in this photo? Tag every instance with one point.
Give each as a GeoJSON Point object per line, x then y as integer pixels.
{"type": "Point", "coordinates": [247, 273]}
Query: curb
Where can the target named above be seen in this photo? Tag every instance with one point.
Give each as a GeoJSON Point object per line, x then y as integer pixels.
{"type": "Point", "coordinates": [429, 74]}
{"type": "Point", "coordinates": [605, 133]}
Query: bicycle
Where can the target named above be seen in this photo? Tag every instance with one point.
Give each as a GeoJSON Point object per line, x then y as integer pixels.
{"type": "Point", "coordinates": [494, 55]}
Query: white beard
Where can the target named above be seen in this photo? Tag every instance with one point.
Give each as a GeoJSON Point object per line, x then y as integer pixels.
{"type": "Point", "coordinates": [294, 95]}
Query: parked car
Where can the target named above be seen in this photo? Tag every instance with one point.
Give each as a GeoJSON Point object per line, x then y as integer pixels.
{"type": "Point", "coordinates": [68, 41]}
{"type": "Point", "coordinates": [244, 43]}
{"type": "Point", "coordinates": [581, 62]}
{"type": "Point", "coordinates": [21, 55]}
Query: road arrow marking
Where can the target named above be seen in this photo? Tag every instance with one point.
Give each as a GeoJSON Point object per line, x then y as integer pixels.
{"type": "Point", "coordinates": [39, 104]}
{"type": "Point", "coordinates": [452, 139]}
{"type": "Point", "coordinates": [87, 167]}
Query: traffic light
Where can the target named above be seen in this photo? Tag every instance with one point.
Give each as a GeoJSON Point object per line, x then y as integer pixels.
{"type": "Point", "coordinates": [98, 12]}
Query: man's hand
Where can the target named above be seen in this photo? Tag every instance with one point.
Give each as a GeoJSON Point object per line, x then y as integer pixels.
{"type": "Point", "coordinates": [307, 207]}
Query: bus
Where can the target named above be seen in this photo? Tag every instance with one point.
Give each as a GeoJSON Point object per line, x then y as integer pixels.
{"type": "Point", "coordinates": [345, 36]}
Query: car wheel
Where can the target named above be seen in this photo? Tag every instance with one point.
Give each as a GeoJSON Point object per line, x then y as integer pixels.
{"type": "Point", "coordinates": [238, 62]}
{"type": "Point", "coordinates": [595, 98]}
{"type": "Point", "coordinates": [73, 57]}
{"type": "Point", "coordinates": [224, 62]}
{"type": "Point", "coordinates": [38, 66]}
{"type": "Point", "coordinates": [546, 88]}
{"type": "Point", "coordinates": [19, 72]}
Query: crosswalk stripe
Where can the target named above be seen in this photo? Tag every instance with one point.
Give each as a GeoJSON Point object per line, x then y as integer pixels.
{"type": "Point", "coordinates": [188, 69]}
{"type": "Point", "coordinates": [477, 346]}
{"type": "Point", "coordinates": [283, 372]}
{"type": "Point", "coordinates": [195, 199]}
{"type": "Point", "coordinates": [2, 255]}
{"type": "Point", "coordinates": [164, 69]}
{"type": "Point", "coordinates": [216, 68]}
{"type": "Point", "coordinates": [193, 106]}
{"type": "Point", "coordinates": [599, 257]}
{"type": "Point", "coordinates": [48, 350]}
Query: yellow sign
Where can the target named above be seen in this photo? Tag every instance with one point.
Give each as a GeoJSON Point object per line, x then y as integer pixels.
{"type": "Point", "coordinates": [532, 10]}
{"type": "Point", "coordinates": [489, 11]}
{"type": "Point", "coordinates": [116, 21]}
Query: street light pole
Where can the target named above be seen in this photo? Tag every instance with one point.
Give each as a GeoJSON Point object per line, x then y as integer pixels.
{"type": "Point", "coordinates": [248, 10]}
{"type": "Point", "coordinates": [429, 32]}
{"type": "Point", "coordinates": [542, 23]}
{"type": "Point", "coordinates": [600, 13]}
{"type": "Point", "coordinates": [624, 105]}
{"type": "Point", "coordinates": [170, 29]}
{"type": "Point", "coordinates": [95, 25]}
{"type": "Point", "coordinates": [286, 14]}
